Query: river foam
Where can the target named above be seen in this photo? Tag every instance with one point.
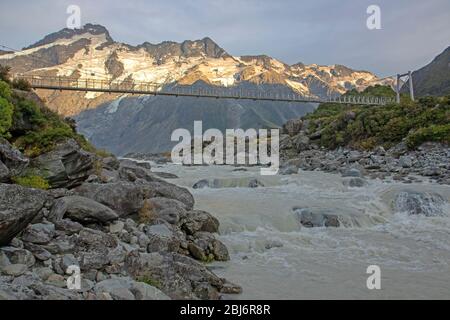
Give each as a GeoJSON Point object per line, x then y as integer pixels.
{"type": "Point", "coordinates": [274, 256]}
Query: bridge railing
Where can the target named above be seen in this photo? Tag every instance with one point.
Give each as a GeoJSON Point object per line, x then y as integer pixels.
{"type": "Point", "coordinates": [134, 87]}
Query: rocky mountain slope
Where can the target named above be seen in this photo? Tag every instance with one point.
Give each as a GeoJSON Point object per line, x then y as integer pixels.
{"type": "Point", "coordinates": [434, 78]}
{"type": "Point", "coordinates": [91, 53]}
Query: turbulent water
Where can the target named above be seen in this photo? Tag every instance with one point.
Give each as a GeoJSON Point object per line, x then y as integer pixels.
{"type": "Point", "coordinates": [274, 257]}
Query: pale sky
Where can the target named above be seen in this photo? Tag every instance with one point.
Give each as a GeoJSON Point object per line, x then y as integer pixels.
{"type": "Point", "coordinates": [317, 31]}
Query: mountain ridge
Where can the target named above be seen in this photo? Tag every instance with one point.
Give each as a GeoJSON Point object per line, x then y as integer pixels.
{"type": "Point", "coordinates": [90, 52]}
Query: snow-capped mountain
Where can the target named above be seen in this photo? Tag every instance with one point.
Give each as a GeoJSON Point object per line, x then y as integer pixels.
{"type": "Point", "coordinates": [91, 53]}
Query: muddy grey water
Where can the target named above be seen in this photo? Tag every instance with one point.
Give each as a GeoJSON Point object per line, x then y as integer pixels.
{"type": "Point", "coordinates": [274, 257]}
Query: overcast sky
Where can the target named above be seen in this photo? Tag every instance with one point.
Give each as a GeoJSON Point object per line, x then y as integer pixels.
{"type": "Point", "coordinates": [316, 31]}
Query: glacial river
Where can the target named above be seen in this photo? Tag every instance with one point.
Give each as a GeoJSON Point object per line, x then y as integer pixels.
{"type": "Point", "coordinates": [274, 257]}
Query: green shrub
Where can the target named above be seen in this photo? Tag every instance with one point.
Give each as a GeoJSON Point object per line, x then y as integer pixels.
{"type": "Point", "coordinates": [5, 90]}
{"type": "Point", "coordinates": [32, 181]}
{"type": "Point", "coordinates": [6, 116]}
{"type": "Point", "coordinates": [21, 84]}
{"type": "Point", "coordinates": [437, 133]}
{"type": "Point", "coordinates": [4, 73]}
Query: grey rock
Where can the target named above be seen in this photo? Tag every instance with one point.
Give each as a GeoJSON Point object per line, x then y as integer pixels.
{"type": "Point", "coordinates": [118, 289]}
{"type": "Point", "coordinates": [162, 239]}
{"type": "Point", "coordinates": [405, 162]}
{"type": "Point", "coordinates": [310, 219]}
{"type": "Point", "coordinates": [288, 170]}
{"type": "Point", "coordinates": [81, 209]}
{"type": "Point", "coordinates": [19, 256]}
{"type": "Point", "coordinates": [12, 158]}
{"type": "Point", "coordinates": [14, 270]}
{"type": "Point", "coordinates": [4, 173]}
{"type": "Point", "coordinates": [116, 227]}
{"type": "Point", "coordinates": [123, 197]}
{"type": "Point", "coordinates": [18, 207]}
{"type": "Point", "coordinates": [144, 291]}
{"type": "Point", "coordinates": [201, 184]}
{"type": "Point", "coordinates": [354, 182]}
{"type": "Point", "coordinates": [66, 166]}
{"type": "Point", "coordinates": [68, 226]}
{"type": "Point", "coordinates": [39, 233]}
{"type": "Point", "coordinates": [198, 220]}
{"type": "Point", "coordinates": [255, 183]}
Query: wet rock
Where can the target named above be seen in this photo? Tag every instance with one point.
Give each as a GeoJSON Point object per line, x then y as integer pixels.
{"type": "Point", "coordinates": [255, 183]}
{"type": "Point", "coordinates": [354, 182]}
{"type": "Point", "coordinates": [15, 212]}
{"type": "Point", "coordinates": [66, 166]}
{"type": "Point", "coordinates": [288, 170]}
{"type": "Point", "coordinates": [166, 175]}
{"type": "Point", "coordinates": [143, 291]}
{"type": "Point", "coordinates": [311, 219]}
{"type": "Point", "coordinates": [415, 203]}
{"type": "Point", "coordinates": [116, 227]}
{"type": "Point", "coordinates": [160, 188]}
{"type": "Point", "coordinates": [81, 209]}
{"type": "Point", "coordinates": [230, 288]}
{"type": "Point", "coordinates": [201, 184]}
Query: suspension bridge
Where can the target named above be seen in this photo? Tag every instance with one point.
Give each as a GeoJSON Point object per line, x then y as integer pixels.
{"type": "Point", "coordinates": [148, 88]}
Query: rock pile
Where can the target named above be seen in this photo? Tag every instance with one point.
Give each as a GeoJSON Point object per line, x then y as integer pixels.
{"type": "Point", "coordinates": [132, 235]}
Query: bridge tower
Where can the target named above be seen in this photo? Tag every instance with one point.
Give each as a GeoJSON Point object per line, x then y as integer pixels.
{"type": "Point", "coordinates": [398, 85]}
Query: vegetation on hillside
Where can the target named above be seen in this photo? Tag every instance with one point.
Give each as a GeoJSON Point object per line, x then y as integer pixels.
{"type": "Point", "coordinates": [28, 124]}
{"type": "Point", "coordinates": [366, 127]}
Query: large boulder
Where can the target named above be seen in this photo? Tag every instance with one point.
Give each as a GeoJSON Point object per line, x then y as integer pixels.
{"type": "Point", "coordinates": [12, 158]}
{"type": "Point", "coordinates": [178, 276]}
{"type": "Point", "coordinates": [18, 207]}
{"type": "Point", "coordinates": [199, 221]}
{"type": "Point", "coordinates": [81, 209]}
{"type": "Point", "coordinates": [66, 166]}
{"type": "Point", "coordinates": [160, 188]}
{"type": "Point", "coordinates": [302, 142]}
{"type": "Point", "coordinates": [124, 198]}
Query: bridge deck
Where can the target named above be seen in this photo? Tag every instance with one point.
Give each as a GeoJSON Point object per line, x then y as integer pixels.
{"type": "Point", "coordinates": [143, 88]}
